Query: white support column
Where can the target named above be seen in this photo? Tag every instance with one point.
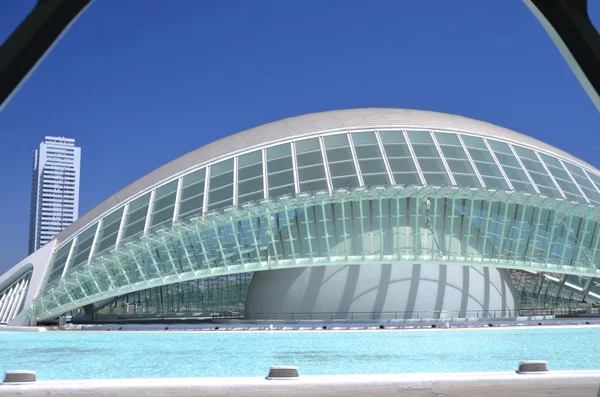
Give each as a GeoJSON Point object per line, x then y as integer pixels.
{"type": "Point", "coordinates": [525, 170]}
{"type": "Point", "coordinates": [386, 162]}
{"type": "Point", "coordinates": [462, 143]}
{"type": "Point", "coordinates": [206, 191]}
{"type": "Point", "coordinates": [414, 158]}
{"type": "Point", "coordinates": [95, 240]}
{"type": "Point", "coordinates": [549, 174]}
{"type": "Point", "coordinates": [13, 294]}
{"type": "Point", "coordinates": [361, 182]}
{"type": "Point", "coordinates": [326, 166]}
{"type": "Point", "coordinates": [295, 168]}
{"type": "Point", "coordinates": [235, 181]}
{"type": "Point", "coordinates": [177, 199]}
{"type": "Point", "coordinates": [489, 148]}
{"type": "Point", "coordinates": [265, 174]}
{"type": "Point", "coordinates": [574, 181]}
{"type": "Point", "coordinates": [439, 149]}
{"type": "Point", "coordinates": [6, 300]}
{"type": "Point", "coordinates": [122, 226]}
{"type": "Point", "coordinates": [3, 299]}
{"type": "Point", "coordinates": [149, 213]}
{"type": "Point", "coordinates": [20, 295]}
{"type": "Point", "coordinates": [69, 257]}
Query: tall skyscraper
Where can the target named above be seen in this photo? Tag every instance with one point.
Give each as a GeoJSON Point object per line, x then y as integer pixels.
{"type": "Point", "coordinates": [54, 190]}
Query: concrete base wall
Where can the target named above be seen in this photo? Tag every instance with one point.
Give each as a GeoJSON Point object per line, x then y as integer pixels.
{"type": "Point", "coordinates": [381, 291]}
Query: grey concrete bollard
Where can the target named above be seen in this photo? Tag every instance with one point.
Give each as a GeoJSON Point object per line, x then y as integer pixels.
{"type": "Point", "coordinates": [532, 367]}
{"type": "Point", "coordinates": [19, 377]}
{"type": "Point", "coordinates": [283, 373]}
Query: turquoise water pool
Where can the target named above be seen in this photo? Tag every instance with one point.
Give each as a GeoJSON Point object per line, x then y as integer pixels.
{"type": "Point", "coordinates": [87, 355]}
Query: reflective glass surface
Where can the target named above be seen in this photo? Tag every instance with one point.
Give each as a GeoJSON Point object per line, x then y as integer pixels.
{"type": "Point", "coordinates": [370, 160]}
{"type": "Point", "coordinates": [280, 170]}
{"type": "Point", "coordinates": [377, 158]}
{"type": "Point", "coordinates": [429, 158]}
{"type": "Point", "coordinates": [485, 163]}
{"type": "Point", "coordinates": [399, 158]}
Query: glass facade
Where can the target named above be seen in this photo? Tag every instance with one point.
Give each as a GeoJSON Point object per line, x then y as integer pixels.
{"type": "Point", "coordinates": [327, 163]}
{"type": "Point", "coordinates": [205, 297]}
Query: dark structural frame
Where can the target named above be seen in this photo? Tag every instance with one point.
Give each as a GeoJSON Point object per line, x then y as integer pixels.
{"type": "Point", "coordinates": [566, 21]}
{"type": "Point", "coordinates": [33, 38]}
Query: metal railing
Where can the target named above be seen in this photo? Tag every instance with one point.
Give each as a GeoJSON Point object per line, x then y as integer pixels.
{"type": "Point", "coordinates": [374, 316]}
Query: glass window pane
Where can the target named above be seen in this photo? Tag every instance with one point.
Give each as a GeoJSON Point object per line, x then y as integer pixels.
{"type": "Point", "coordinates": [511, 167]}
{"type": "Point", "coordinates": [82, 248]}
{"type": "Point", "coordinates": [419, 137]}
{"type": "Point", "coordinates": [432, 165]}
{"type": "Point", "coordinates": [429, 159]}
{"type": "Point", "coordinates": [370, 160]}
{"type": "Point", "coordinates": [466, 180]}
{"type": "Point", "coordinates": [107, 237]}
{"type": "Point", "coordinates": [562, 178]}
{"type": "Point", "coordinates": [364, 138]}
{"type": "Point", "coordinates": [311, 172]}
{"type": "Point", "coordinates": [164, 204]}
{"type": "Point", "coordinates": [473, 142]}
{"type": "Point", "coordinates": [220, 185]}
{"type": "Point", "coordinates": [192, 194]}
{"type": "Point", "coordinates": [340, 161]}
{"type": "Point", "coordinates": [537, 172]}
{"type": "Point", "coordinates": [461, 167]}
{"type": "Point", "coordinates": [457, 160]}
{"type": "Point", "coordinates": [445, 138]}
{"type": "Point", "coordinates": [590, 190]}
{"type": "Point", "coordinates": [60, 259]}
{"type": "Point", "coordinates": [454, 152]}
{"type": "Point", "coordinates": [280, 170]}
{"type": "Point", "coordinates": [399, 158]}
{"type": "Point", "coordinates": [136, 216]}
{"type": "Point", "coordinates": [487, 167]}
{"type": "Point", "coordinates": [392, 137]}
{"type": "Point", "coordinates": [250, 177]}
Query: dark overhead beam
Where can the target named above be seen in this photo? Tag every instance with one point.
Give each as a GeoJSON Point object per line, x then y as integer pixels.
{"type": "Point", "coordinates": [32, 39]}
{"type": "Point", "coordinates": [569, 26]}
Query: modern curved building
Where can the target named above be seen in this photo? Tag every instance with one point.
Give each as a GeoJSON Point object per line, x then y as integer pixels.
{"type": "Point", "coordinates": [363, 213]}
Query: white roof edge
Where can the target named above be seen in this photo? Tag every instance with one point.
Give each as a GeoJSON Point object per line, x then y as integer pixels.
{"type": "Point", "coordinates": [309, 125]}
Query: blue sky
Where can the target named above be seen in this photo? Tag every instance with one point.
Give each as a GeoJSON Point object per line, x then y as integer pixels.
{"type": "Point", "coordinates": [139, 86]}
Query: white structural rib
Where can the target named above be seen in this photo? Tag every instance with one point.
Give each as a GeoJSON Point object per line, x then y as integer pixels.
{"type": "Point", "coordinates": [462, 143]}
{"type": "Point", "coordinates": [295, 168]}
{"type": "Point", "coordinates": [149, 213]}
{"type": "Point", "coordinates": [206, 191]}
{"type": "Point", "coordinates": [177, 199]}
{"type": "Point", "coordinates": [439, 149]}
{"type": "Point", "coordinates": [414, 158]}
{"type": "Point", "coordinates": [386, 162]}
{"type": "Point", "coordinates": [265, 175]}
{"type": "Point", "coordinates": [590, 179]}
{"type": "Point", "coordinates": [487, 144]}
{"type": "Point", "coordinates": [235, 181]}
{"type": "Point", "coordinates": [326, 166]}
{"type": "Point", "coordinates": [529, 178]}
{"type": "Point", "coordinates": [95, 240]}
{"type": "Point", "coordinates": [585, 197]}
{"type": "Point", "coordinates": [550, 174]}
{"type": "Point", "coordinates": [69, 257]}
{"type": "Point", "coordinates": [361, 182]}
{"type": "Point", "coordinates": [122, 226]}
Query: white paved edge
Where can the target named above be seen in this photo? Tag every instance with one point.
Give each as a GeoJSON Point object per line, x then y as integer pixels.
{"type": "Point", "coordinates": [576, 383]}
